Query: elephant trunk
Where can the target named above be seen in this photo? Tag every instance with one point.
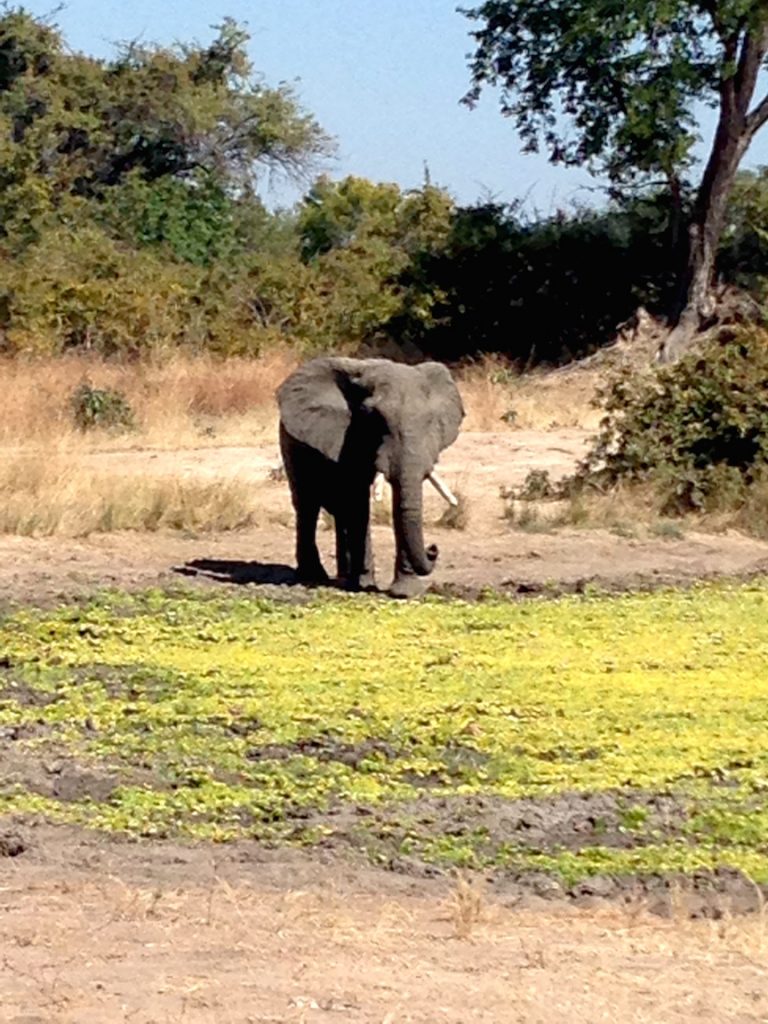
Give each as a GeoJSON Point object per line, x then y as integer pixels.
{"type": "Point", "coordinates": [407, 508]}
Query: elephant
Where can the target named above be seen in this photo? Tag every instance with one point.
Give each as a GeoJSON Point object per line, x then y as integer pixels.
{"type": "Point", "coordinates": [343, 421]}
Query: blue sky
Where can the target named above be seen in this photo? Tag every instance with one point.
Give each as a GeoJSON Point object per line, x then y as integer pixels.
{"type": "Point", "coordinates": [384, 77]}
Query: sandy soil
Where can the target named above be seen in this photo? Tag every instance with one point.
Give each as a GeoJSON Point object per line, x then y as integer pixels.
{"type": "Point", "coordinates": [94, 930]}
{"type": "Point", "coordinates": [489, 553]}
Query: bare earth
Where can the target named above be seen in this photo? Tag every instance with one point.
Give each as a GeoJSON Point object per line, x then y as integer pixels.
{"type": "Point", "coordinates": [97, 930]}
{"type": "Point", "coordinates": [489, 553]}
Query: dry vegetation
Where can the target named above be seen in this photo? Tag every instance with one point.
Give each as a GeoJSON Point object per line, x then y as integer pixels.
{"type": "Point", "coordinates": [188, 401]}
{"type": "Point", "coordinates": [55, 496]}
{"type": "Point", "coordinates": [183, 402]}
{"type": "Point", "coordinates": [192, 402]}
{"type": "Point", "coordinates": [224, 949]}
{"type": "Point", "coordinates": [638, 509]}
{"type": "Point", "coordinates": [496, 396]}
{"type": "Point", "coordinates": [179, 402]}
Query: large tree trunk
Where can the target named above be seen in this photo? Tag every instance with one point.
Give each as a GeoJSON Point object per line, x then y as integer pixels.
{"type": "Point", "coordinates": [735, 130]}
{"type": "Point", "coordinates": [695, 306]}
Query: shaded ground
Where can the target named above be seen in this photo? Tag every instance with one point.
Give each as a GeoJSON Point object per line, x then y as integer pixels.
{"type": "Point", "coordinates": [489, 553]}
{"type": "Point", "coordinates": [239, 935]}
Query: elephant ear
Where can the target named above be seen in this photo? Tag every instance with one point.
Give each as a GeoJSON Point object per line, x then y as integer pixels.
{"type": "Point", "coordinates": [314, 405]}
{"type": "Point", "coordinates": [444, 404]}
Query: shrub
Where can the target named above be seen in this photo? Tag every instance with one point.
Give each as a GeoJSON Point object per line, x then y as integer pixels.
{"type": "Point", "coordinates": [698, 430]}
{"type": "Point", "coordinates": [101, 408]}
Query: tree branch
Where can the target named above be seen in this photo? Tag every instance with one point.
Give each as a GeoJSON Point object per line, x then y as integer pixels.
{"type": "Point", "coordinates": [753, 50]}
{"type": "Point", "coordinates": [757, 117]}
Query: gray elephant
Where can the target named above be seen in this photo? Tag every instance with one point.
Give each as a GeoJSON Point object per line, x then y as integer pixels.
{"type": "Point", "coordinates": [342, 421]}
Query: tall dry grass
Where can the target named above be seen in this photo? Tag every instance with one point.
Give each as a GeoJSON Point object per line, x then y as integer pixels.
{"type": "Point", "coordinates": [191, 401]}
{"type": "Point", "coordinates": [496, 396]}
{"type": "Point", "coordinates": [46, 487]}
{"type": "Point", "coordinates": [181, 402]}
{"type": "Point", "coordinates": [44, 496]}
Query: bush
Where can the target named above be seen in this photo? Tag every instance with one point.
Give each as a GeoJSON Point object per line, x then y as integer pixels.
{"type": "Point", "coordinates": [101, 408]}
{"type": "Point", "coordinates": [698, 430]}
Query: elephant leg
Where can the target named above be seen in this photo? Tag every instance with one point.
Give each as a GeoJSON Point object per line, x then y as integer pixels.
{"type": "Point", "coordinates": [310, 568]}
{"type": "Point", "coordinates": [342, 548]}
{"type": "Point", "coordinates": [407, 582]}
{"type": "Point", "coordinates": [361, 575]}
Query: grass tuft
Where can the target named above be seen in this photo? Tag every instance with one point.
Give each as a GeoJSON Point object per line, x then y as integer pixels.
{"type": "Point", "coordinates": [456, 517]}
{"type": "Point", "coordinates": [466, 906]}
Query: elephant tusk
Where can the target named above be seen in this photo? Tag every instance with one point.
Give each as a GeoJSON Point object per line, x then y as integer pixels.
{"type": "Point", "coordinates": [378, 487]}
{"type": "Point", "coordinates": [443, 489]}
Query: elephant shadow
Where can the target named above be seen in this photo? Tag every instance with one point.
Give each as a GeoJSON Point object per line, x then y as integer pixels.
{"type": "Point", "coordinates": [243, 573]}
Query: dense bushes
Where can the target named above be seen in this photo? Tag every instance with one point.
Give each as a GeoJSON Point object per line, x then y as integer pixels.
{"type": "Point", "coordinates": [130, 224]}
{"type": "Point", "coordinates": [543, 290]}
{"type": "Point", "coordinates": [697, 431]}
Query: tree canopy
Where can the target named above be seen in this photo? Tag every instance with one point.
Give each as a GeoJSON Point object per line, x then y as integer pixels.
{"type": "Point", "coordinates": [73, 127]}
{"type": "Point", "coordinates": [131, 223]}
{"type": "Point", "coordinates": [614, 86]}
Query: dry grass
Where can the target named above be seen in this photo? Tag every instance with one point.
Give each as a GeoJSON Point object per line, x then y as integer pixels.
{"type": "Point", "coordinates": [548, 401]}
{"type": "Point", "coordinates": [456, 517]}
{"type": "Point", "coordinates": [45, 497]}
{"type": "Point", "coordinates": [465, 907]}
{"type": "Point", "coordinates": [497, 397]}
{"type": "Point", "coordinates": [637, 510]}
{"type": "Point", "coordinates": [183, 401]}
{"type": "Point", "coordinates": [189, 401]}
{"type": "Point", "coordinates": [381, 511]}
{"type": "Point", "coordinates": [209, 950]}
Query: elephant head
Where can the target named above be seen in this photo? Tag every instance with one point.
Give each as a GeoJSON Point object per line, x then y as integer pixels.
{"type": "Point", "coordinates": [385, 416]}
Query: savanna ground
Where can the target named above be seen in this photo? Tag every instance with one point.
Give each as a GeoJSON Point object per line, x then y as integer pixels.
{"type": "Point", "coordinates": [228, 799]}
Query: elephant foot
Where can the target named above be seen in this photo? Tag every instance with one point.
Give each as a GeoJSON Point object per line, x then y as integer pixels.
{"type": "Point", "coordinates": [368, 583]}
{"type": "Point", "coordinates": [407, 586]}
{"type": "Point", "coordinates": [312, 575]}
{"type": "Point", "coordinates": [365, 583]}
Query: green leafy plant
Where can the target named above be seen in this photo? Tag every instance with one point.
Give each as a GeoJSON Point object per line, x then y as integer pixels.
{"type": "Point", "coordinates": [537, 486]}
{"type": "Point", "coordinates": [101, 408]}
{"type": "Point", "coordinates": [217, 717]}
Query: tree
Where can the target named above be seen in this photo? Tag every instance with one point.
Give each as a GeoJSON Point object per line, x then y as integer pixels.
{"type": "Point", "coordinates": [72, 128]}
{"type": "Point", "coordinates": [129, 215]}
{"type": "Point", "coordinates": [613, 85]}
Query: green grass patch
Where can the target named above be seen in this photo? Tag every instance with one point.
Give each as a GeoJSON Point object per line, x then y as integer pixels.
{"type": "Point", "coordinates": [578, 735]}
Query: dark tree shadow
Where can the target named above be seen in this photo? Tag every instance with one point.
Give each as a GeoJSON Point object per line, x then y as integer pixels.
{"type": "Point", "coordinates": [239, 572]}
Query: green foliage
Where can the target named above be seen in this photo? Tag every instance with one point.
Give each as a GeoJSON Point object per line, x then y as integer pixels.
{"type": "Point", "coordinates": [79, 288]}
{"type": "Point", "coordinates": [627, 75]}
{"type": "Point", "coordinates": [226, 717]}
{"type": "Point", "coordinates": [127, 191]}
{"type": "Point", "coordinates": [83, 125]}
{"type": "Point", "coordinates": [102, 408]}
{"type": "Point", "coordinates": [130, 222]}
{"type": "Point", "coordinates": [699, 429]}
{"type": "Point", "coordinates": [743, 257]}
{"type": "Point", "coordinates": [616, 88]}
{"type": "Point", "coordinates": [194, 218]}
{"type": "Point", "coordinates": [537, 486]}
{"type": "Point", "coordinates": [355, 241]}
{"type": "Point", "coordinates": [543, 290]}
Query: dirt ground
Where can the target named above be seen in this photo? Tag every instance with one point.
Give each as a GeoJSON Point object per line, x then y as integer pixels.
{"type": "Point", "coordinates": [97, 930]}
{"type": "Point", "coordinates": [488, 553]}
